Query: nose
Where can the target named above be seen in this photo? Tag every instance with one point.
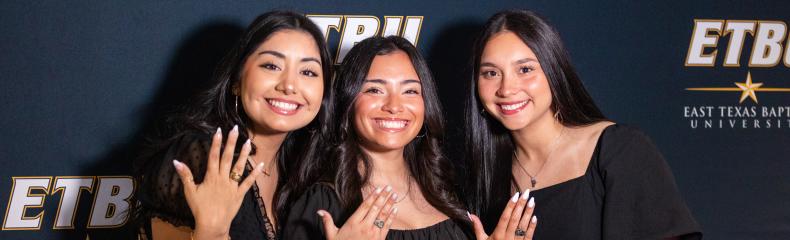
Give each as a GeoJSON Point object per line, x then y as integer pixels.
{"type": "Point", "coordinates": [287, 84]}
{"type": "Point", "coordinates": [507, 87]}
{"type": "Point", "coordinates": [393, 104]}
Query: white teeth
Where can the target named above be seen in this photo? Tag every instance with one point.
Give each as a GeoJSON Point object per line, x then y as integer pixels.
{"type": "Point", "coordinates": [513, 106]}
{"type": "Point", "coordinates": [283, 105]}
{"type": "Point", "coordinates": [391, 124]}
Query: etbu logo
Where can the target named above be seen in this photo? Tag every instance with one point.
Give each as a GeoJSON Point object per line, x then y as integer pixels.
{"type": "Point", "coordinates": [355, 28]}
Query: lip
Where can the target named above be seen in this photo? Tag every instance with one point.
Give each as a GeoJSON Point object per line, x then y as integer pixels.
{"type": "Point", "coordinates": [283, 107]}
{"type": "Point", "coordinates": [510, 108]}
{"type": "Point", "coordinates": [391, 125]}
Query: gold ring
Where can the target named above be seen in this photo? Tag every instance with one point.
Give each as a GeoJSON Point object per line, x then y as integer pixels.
{"type": "Point", "coordinates": [235, 177]}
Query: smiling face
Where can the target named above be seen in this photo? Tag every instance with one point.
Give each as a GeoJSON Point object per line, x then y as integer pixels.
{"type": "Point", "coordinates": [281, 85]}
{"type": "Point", "coordinates": [389, 108]}
{"type": "Point", "coordinates": [512, 85]}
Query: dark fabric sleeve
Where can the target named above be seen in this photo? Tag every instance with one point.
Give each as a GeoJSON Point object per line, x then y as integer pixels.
{"type": "Point", "coordinates": [161, 194]}
{"type": "Point", "coordinates": [303, 222]}
{"type": "Point", "coordinates": [641, 198]}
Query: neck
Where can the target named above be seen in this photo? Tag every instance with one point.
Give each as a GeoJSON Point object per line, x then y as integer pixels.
{"type": "Point", "coordinates": [387, 168]}
{"type": "Point", "coordinates": [534, 142]}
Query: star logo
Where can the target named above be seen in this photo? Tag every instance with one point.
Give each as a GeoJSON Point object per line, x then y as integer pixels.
{"type": "Point", "coordinates": [748, 89]}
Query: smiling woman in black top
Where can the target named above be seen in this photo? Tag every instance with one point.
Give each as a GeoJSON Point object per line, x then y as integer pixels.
{"type": "Point", "coordinates": [532, 127]}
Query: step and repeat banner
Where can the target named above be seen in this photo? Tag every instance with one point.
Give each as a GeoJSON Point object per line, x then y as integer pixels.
{"type": "Point", "coordinates": [709, 81]}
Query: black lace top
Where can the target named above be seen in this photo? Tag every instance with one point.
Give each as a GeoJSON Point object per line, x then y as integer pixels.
{"type": "Point", "coordinates": [161, 194]}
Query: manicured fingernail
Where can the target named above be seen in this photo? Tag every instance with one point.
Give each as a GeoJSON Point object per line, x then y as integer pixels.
{"type": "Point", "coordinates": [259, 167]}
{"type": "Point", "coordinates": [320, 213]}
{"type": "Point", "coordinates": [235, 128]}
{"type": "Point", "coordinates": [378, 190]}
{"type": "Point", "coordinates": [219, 131]}
{"type": "Point", "coordinates": [388, 188]}
{"type": "Point", "coordinates": [514, 198]}
{"type": "Point", "coordinates": [177, 164]}
{"type": "Point", "coordinates": [395, 196]}
{"type": "Point", "coordinates": [247, 142]}
{"type": "Point", "coordinates": [394, 210]}
{"type": "Point", "coordinates": [525, 196]}
{"type": "Point", "coordinates": [534, 219]}
{"type": "Point", "coordinates": [531, 203]}
{"type": "Point", "coordinates": [469, 215]}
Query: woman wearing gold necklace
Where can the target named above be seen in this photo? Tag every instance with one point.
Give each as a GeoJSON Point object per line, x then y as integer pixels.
{"type": "Point", "coordinates": [532, 127]}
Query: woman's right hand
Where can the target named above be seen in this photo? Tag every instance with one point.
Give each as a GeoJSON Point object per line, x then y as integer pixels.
{"type": "Point", "coordinates": [514, 218]}
{"type": "Point", "coordinates": [215, 201]}
{"type": "Point", "coordinates": [377, 208]}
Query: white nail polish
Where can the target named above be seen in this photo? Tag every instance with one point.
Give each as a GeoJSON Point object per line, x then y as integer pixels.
{"type": "Point", "coordinates": [378, 190]}
{"type": "Point", "coordinates": [534, 219]}
{"type": "Point", "coordinates": [469, 215]}
{"type": "Point", "coordinates": [219, 131]}
{"type": "Point", "coordinates": [394, 210]}
{"type": "Point", "coordinates": [247, 142]}
{"type": "Point", "coordinates": [177, 164]}
{"type": "Point", "coordinates": [531, 203]}
{"type": "Point", "coordinates": [235, 128]}
{"type": "Point", "coordinates": [525, 196]}
{"type": "Point", "coordinates": [388, 188]}
{"type": "Point", "coordinates": [514, 198]}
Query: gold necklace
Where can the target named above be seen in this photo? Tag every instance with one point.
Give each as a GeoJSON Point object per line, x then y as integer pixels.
{"type": "Point", "coordinates": [532, 178]}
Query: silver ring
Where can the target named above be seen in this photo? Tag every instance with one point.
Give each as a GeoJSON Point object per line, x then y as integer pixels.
{"type": "Point", "coordinates": [520, 232]}
{"type": "Point", "coordinates": [378, 223]}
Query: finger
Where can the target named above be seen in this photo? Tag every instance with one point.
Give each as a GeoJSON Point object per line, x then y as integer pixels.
{"type": "Point", "coordinates": [480, 232]}
{"type": "Point", "coordinates": [242, 160]}
{"type": "Point", "coordinates": [330, 230]}
{"type": "Point", "coordinates": [533, 224]}
{"type": "Point", "coordinates": [360, 213]}
{"type": "Point", "coordinates": [230, 147]}
{"type": "Point", "coordinates": [504, 219]}
{"type": "Point", "coordinates": [213, 154]}
{"type": "Point", "coordinates": [381, 200]}
{"type": "Point", "coordinates": [523, 224]}
{"type": "Point", "coordinates": [247, 183]}
{"type": "Point", "coordinates": [388, 222]}
{"type": "Point", "coordinates": [387, 209]}
{"type": "Point", "coordinates": [186, 177]}
{"type": "Point", "coordinates": [515, 217]}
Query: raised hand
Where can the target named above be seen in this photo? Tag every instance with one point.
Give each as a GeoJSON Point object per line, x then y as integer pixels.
{"type": "Point", "coordinates": [215, 201]}
{"type": "Point", "coordinates": [372, 220]}
{"type": "Point", "coordinates": [515, 223]}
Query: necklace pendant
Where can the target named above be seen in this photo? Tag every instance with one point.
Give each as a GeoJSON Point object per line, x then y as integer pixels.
{"type": "Point", "coordinates": [533, 181]}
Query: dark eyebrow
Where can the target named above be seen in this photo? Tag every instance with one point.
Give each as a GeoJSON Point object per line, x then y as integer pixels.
{"type": "Point", "coordinates": [526, 60]}
{"type": "Point", "coordinates": [379, 81]}
{"type": "Point", "coordinates": [410, 81]}
{"type": "Point", "coordinates": [274, 53]}
{"type": "Point", "coordinates": [487, 64]}
{"type": "Point", "coordinates": [311, 59]}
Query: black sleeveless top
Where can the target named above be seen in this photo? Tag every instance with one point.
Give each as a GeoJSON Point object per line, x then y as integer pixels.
{"type": "Point", "coordinates": [161, 193]}
{"type": "Point", "coordinates": [303, 223]}
{"type": "Point", "coordinates": [627, 192]}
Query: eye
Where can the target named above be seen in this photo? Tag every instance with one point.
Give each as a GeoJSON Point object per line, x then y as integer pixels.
{"type": "Point", "coordinates": [412, 91]}
{"type": "Point", "coordinates": [373, 90]}
{"type": "Point", "coordinates": [525, 70]}
{"type": "Point", "coordinates": [489, 74]}
{"type": "Point", "coordinates": [309, 73]}
{"type": "Point", "coordinates": [270, 66]}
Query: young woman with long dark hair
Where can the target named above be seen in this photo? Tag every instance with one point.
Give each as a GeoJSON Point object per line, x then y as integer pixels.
{"type": "Point", "coordinates": [267, 91]}
{"type": "Point", "coordinates": [532, 127]}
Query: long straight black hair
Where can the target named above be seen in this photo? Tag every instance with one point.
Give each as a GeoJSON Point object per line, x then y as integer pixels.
{"type": "Point", "coordinates": [216, 107]}
{"type": "Point", "coordinates": [424, 159]}
{"type": "Point", "coordinates": [489, 146]}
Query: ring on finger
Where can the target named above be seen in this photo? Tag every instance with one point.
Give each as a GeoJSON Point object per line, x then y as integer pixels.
{"type": "Point", "coordinates": [520, 232]}
{"type": "Point", "coordinates": [236, 177]}
{"type": "Point", "coordinates": [378, 223]}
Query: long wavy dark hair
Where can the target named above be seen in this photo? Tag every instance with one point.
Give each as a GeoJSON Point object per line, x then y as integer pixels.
{"type": "Point", "coordinates": [424, 159]}
{"type": "Point", "coordinates": [489, 145]}
{"type": "Point", "coordinates": [216, 107]}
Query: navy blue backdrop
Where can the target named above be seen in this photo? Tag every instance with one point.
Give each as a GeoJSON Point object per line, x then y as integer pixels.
{"type": "Point", "coordinates": [82, 80]}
